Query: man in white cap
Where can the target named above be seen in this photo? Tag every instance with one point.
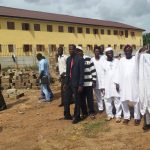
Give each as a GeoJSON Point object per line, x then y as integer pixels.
{"type": "Point", "coordinates": [127, 84]}
{"type": "Point", "coordinates": [109, 67]}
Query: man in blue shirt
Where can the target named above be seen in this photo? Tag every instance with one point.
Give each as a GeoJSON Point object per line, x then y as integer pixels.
{"type": "Point", "coordinates": [44, 76]}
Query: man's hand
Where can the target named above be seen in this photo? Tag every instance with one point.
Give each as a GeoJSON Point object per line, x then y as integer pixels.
{"type": "Point", "coordinates": [65, 87]}
{"type": "Point", "coordinates": [143, 49]}
{"type": "Point", "coordinates": [103, 91]}
{"type": "Point", "coordinates": [94, 84]}
{"type": "Point", "coordinates": [117, 88]}
{"type": "Point", "coordinates": [80, 89]}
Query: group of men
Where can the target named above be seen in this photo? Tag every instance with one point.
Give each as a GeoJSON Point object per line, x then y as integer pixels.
{"type": "Point", "coordinates": [116, 83]}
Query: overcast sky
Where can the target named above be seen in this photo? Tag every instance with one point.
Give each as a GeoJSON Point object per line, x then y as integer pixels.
{"type": "Point", "coordinates": [132, 12]}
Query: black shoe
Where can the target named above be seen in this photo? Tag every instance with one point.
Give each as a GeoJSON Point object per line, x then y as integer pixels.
{"type": "Point", "coordinates": [61, 105]}
{"type": "Point", "coordinates": [69, 117]}
{"type": "Point", "coordinates": [3, 108]}
{"type": "Point", "coordinates": [137, 122]}
{"type": "Point", "coordinates": [76, 120]}
{"type": "Point", "coordinates": [84, 116]}
{"type": "Point", "coordinates": [146, 127]}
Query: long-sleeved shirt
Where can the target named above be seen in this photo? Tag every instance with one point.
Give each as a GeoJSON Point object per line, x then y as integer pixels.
{"type": "Point", "coordinates": [62, 64]}
{"type": "Point", "coordinates": [89, 72]}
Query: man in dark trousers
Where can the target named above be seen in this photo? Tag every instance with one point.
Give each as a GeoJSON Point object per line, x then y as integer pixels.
{"type": "Point", "coordinates": [73, 84]}
{"type": "Point", "coordinates": [2, 101]}
{"type": "Point", "coordinates": [89, 84]}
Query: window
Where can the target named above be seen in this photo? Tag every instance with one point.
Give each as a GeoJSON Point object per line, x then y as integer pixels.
{"type": "Point", "coordinates": [25, 26]}
{"type": "Point", "coordinates": [27, 48]}
{"type": "Point", "coordinates": [109, 32]}
{"type": "Point", "coordinates": [61, 45]}
{"type": "Point", "coordinates": [40, 47]}
{"type": "Point", "coordinates": [80, 45]}
{"type": "Point", "coordinates": [89, 47]}
{"type": "Point", "coordinates": [115, 46]}
{"type": "Point", "coordinates": [121, 33]}
{"type": "Point", "coordinates": [49, 28]}
{"type": "Point", "coordinates": [134, 47]}
{"type": "Point", "coordinates": [121, 46]}
{"type": "Point", "coordinates": [80, 30]}
{"type": "Point", "coordinates": [102, 31]}
{"type": "Point", "coordinates": [11, 25]}
{"type": "Point", "coordinates": [126, 33]}
{"type": "Point", "coordinates": [71, 29]}
{"type": "Point", "coordinates": [115, 32]}
{"type": "Point", "coordinates": [95, 31]}
{"type": "Point", "coordinates": [10, 47]}
{"type": "Point", "coordinates": [109, 45]}
{"type": "Point", "coordinates": [132, 33]}
{"type": "Point", "coordinates": [88, 30]}
{"type": "Point", "coordinates": [60, 28]}
{"type": "Point", "coordinates": [0, 48]}
{"type": "Point", "coordinates": [37, 27]}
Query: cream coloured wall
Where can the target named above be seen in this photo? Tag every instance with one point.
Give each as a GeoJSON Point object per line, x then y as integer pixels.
{"type": "Point", "coordinates": [18, 37]}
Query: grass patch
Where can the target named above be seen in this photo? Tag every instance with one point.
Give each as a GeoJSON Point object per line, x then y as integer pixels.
{"type": "Point", "coordinates": [92, 129]}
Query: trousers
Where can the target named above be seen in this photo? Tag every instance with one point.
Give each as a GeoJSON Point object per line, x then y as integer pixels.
{"type": "Point", "coordinates": [126, 111]}
{"type": "Point", "coordinates": [109, 107]}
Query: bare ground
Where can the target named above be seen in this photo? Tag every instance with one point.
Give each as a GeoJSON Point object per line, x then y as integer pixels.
{"type": "Point", "coordinates": [30, 125]}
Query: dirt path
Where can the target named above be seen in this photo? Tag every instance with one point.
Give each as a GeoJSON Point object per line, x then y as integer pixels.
{"type": "Point", "coordinates": [30, 125]}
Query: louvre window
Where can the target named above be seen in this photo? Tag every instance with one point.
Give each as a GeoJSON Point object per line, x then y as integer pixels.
{"type": "Point", "coordinates": [121, 33]}
{"type": "Point", "coordinates": [25, 26]}
{"type": "Point", "coordinates": [11, 48]}
{"type": "Point", "coordinates": [37, 27]}
{"type": "Point", "coordinates": [88, 30]}
{"type": "Point", "coordinates": [40, 47]}
{"type": "Point", "coordinates": [132, 33]}
{"type": "Point", "coordinates": [102, 31]}
{"type": "Point", "coordinates": [109, 32]}
{"type": "Point", "coordinates": [27, 48]}
{"type": "Point", "coordinates": [80, 30]}
{"type": "Point", "coordinates": [115, 32]}
{"type": "Point", "coordinates": [95, 31]}
{"type": "Point", "coordinates": [11, 25]}
{"type": "Point", "coordinates": [60, 28]}
{"type": "Point", "coordinates": [49, 28]}
{"type": "Point", "coordinates": [71, 29]}
{"type": "Point", "coordinates": [126, 33]}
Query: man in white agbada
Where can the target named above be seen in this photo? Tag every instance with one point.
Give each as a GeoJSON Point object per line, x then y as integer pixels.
{"type": "Point", "coordinates": [143, 63]}
{"type": "Point", "coordinates": [109, 67]}
{"type": "Point", "coordinates": [127, 84]}
{"type": "Point", "coordinates": [97, 60]}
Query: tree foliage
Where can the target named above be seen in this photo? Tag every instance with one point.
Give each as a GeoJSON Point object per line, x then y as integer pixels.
{"type": "Point", "coordinates": [146, 38]}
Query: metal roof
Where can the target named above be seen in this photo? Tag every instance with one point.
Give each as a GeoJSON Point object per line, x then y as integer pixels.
{"type": "Point", "coordinates": [28, 14]}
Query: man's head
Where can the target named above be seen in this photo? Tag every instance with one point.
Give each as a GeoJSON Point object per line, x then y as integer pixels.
{"type": "Point", "coordinates": [96, 51]}
{"type": "Point", "coordinates": [128, 51]}
{"type": "Point", "coordinates": [101, 49]}
{"type": "Point", "coordinates": [109, 53]}
{"type": "Point", "coordinates": [39, 56]}
{"type": "Point", "coordinates": [72, 49]}
{"type": "Point", "coordinates": [79, 51]}
{"type": "Point", "coordinates": [60, 51]}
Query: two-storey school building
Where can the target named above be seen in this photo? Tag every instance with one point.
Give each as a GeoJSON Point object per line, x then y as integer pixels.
{"type": "Point", "coordinates": [26, 32]}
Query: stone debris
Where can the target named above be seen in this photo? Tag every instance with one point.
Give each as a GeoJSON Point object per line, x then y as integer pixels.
{"type": "Point", "coordinates": [20, 79]}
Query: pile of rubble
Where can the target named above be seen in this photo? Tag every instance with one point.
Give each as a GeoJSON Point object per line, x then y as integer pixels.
{"type": "Point", "coordinates": [19, 79]}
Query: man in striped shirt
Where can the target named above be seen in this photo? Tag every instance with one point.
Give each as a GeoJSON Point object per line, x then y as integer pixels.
{"type": "Point", "coordinates": [89, 83]}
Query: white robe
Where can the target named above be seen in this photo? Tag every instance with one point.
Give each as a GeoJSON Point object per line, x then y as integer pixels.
{"type": "Point", "coordinates": [109, 68]}
{"type": "Point", "coordinates": [127, 79]}
{"type": "Point", "coordinates": [144, 82]}
{"type": "Point", "coordinates": [98, 67]}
